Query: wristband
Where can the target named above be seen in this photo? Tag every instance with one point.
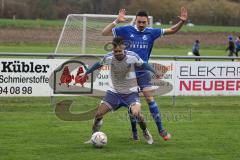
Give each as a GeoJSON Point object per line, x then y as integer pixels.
{"type": "Point", "coordinates": [115, 22]}
{"type": "Point", "coordinates": [183, 20]}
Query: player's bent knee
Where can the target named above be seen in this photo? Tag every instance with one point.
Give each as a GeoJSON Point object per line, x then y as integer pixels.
{"type": "Point", "coordinates": [149, 99]}
{"type": "Point", "coordinates": [135, 109]}
{"type": "Point", "coordinates": [135, 113]}
{"type": "Point", "coordinates": [140, 117]}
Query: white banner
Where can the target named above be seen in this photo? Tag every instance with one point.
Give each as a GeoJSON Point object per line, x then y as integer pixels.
{"type": "Point", "coordinates": [24, 77]}
{"type": "Point", "coordinates": [53, 77]}
{"type": "Point", "coordinates": [207, 78]}
{"type": "Point", "coordinates": [50, 77]}
{"type": "Point", "coordinates": [164, 79]}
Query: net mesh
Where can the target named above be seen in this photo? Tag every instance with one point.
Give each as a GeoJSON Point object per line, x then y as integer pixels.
{"type": "Point", "coordinates": [82, 34]}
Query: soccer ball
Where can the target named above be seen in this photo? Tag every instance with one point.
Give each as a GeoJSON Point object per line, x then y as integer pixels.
{"type": "Point", "coordinates": [190, 53]}
{"type": "Point", "coordinates": [99, 139]}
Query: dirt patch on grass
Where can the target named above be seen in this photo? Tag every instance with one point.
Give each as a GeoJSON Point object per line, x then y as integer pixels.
{"type": "Point", "coordinates": [22, 35]}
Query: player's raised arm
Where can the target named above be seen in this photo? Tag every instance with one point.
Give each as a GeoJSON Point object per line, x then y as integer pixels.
{"type": "Point", "coordinates": [183, 17]}
{"type": "Point", "coordinates": [107, 31]}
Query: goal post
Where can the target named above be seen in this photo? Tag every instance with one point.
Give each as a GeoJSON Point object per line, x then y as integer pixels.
{"type": "Point", "coordinates": [81, 33]}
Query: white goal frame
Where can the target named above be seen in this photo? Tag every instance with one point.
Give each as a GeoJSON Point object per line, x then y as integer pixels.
{"type": "Point", "coordinates": [85, 16]}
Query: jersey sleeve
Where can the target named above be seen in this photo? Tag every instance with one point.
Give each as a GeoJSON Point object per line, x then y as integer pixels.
{"type": "Point", "coordinates": [157, 32]}
{"type": "Point", "coordinates": [106, 60]}
{"type": "Point", "coordinates": [137, 60]}
{"type": "Point", "coordinates": [119, 31]}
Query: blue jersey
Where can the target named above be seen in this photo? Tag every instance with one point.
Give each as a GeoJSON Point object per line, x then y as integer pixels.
{"type": "Point", "coordinates": [141, 41]}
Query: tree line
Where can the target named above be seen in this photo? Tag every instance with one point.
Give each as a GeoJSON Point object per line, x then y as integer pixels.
{"type": "Point", "coordinates": [204, 12]}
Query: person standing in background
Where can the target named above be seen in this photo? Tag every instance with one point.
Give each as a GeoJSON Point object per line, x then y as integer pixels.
{"type": "Point", "coordinates": [195, 49]}
{"type": "Point", "coordinates": [237, 44]}
{"type": "Point", "coordinates": [231, 47]}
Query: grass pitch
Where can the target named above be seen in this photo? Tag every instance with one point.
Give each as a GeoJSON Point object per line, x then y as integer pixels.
{"type": "Point", "coordinates": [50, 48]}
{"type": "Point", "coordinates": [201, 128]}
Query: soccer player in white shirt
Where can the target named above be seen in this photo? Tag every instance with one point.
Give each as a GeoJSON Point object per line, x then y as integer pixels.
{"type": "Point", "coordinates": [123, 89]}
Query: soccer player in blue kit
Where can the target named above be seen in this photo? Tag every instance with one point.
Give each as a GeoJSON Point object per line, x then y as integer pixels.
{"type": "Point", "coordinates": [123, 86]}
{"type": "Point", "coordinates": [142, 39]}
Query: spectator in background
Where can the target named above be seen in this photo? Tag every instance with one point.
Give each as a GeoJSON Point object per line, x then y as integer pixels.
{"type": "Point", "coordinates": [195, 49]}
{"type": "Point", "coordinates": [237, 44]}
{"type": "Point", "coordinates": [231, 47]}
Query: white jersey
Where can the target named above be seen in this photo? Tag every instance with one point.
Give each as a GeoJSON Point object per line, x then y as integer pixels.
{"type": "Point", "coordinates": [122, 73]}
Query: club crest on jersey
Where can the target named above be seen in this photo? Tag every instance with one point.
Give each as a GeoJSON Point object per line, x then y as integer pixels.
{"type": "Point", "coordinates": [144, 37]}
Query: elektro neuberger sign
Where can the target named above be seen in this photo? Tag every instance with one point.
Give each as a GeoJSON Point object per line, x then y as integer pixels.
{"type": "Point", "coordinates": [207, 78]}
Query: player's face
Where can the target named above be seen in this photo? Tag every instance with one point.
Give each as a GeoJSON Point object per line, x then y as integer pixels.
{"type": "Point", "coordinates": [119, 52]}
{"type": "Point", "coordinates": [141, 22]}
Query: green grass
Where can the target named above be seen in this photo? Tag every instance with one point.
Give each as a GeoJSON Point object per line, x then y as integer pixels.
{"type": "Point", "coordinates": [48, 48]}
{"type": "Point", "coordinates": [27, 48]}
{"type": "Point", "coordinates": [38, 23]}
{"type": "Point", "coordinates": [184, 51]}
{"type": "Point", "coordinates": [201, 127]}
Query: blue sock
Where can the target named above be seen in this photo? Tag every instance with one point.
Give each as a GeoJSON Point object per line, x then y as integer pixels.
{"type": "Point", "coordinates": [133, 122]}
{"type": "Point", "coordinates": [156, 115]}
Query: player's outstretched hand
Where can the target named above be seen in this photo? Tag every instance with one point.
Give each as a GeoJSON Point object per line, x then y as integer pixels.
{"type": "Point", "coordinates": [121, 16]}
{"type": "Point", "coordinates": [184, 14]}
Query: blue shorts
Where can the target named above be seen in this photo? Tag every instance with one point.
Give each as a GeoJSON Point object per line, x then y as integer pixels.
{"type": "Point", "coordinates": [117, 100]}
{"type": "Point", "coordinates": [143, 79]}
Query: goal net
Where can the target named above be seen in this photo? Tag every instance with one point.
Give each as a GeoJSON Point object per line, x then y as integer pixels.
{"type": "Point", "coordinates": [81, 33]}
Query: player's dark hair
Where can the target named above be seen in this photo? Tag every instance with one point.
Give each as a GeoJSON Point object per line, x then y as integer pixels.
{"type": "Point", "coordinates": [142, 13]}
{"type": "Point", "coordinates": [117, 41]}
